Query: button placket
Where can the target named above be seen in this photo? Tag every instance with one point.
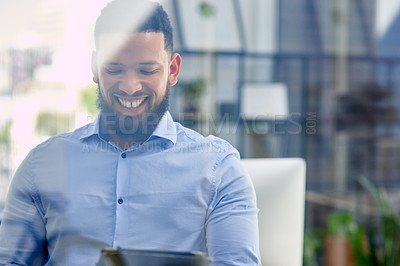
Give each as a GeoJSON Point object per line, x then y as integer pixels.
{"type": "Point", "coordinates": [121, 200]}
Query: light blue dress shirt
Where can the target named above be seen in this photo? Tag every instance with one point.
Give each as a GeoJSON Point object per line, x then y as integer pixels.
{"type": "Point", "coordinates": [77, 193]}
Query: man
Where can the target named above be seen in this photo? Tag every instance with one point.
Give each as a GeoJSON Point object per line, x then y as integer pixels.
{"type": "Point", "coordinates": [133, 178]}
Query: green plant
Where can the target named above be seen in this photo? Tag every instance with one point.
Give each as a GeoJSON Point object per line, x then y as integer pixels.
{"type": "Point", "coordinates": [343, 224]}
{"type": "Point", "coordinates": [389, 222]}
{"type": "Point", "coordinates": [5, 133]}
{"type": "Point", "coordinates": [88, 99]}
{"type": "Point", "coordinates": [50, 124]}
{"type": "Point", "coordinates": [206, 9]}
{"type": "Point", "coordinates": [312, 243]}
{"type": "Point", "coordinates": [191, 91]}
{"type": "Point", "coordinates": [193, 88]}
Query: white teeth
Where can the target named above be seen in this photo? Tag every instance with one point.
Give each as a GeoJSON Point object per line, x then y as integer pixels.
{"type": "Point", "coordinates": [129, 104]}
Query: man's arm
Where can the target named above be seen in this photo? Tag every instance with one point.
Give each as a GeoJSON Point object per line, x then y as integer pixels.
{"type": "Point", "coordinates": [232, 227]}
{"type": "Point", "coordinates": [22, 231]}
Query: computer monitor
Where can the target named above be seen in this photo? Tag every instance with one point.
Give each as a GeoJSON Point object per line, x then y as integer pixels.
{"type": "Point", "coordinates": [280, 189]}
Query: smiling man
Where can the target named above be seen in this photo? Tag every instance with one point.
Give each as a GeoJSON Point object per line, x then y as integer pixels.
{"type": "Point", "coordinates": [134, 84]}
{"type": "Point", "coordinates": [134, 178]}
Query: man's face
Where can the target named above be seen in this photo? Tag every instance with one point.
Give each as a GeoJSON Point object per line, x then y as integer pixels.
{"type": "Point", "coordinates": [133, 79]}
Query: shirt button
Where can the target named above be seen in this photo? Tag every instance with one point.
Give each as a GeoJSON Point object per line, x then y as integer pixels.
{"type": "Point", "coordinates": [120, 201]}
{"type": "Point", "coordinates": [123, 155]}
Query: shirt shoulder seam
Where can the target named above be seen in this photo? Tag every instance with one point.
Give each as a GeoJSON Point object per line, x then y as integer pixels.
{"type": "Point", "coordinates": [35, 193]}
{"type": "Point", "coordinates": [220, 156]}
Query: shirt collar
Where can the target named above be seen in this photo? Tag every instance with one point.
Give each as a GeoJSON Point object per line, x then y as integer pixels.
{"type": "Point", "coordinates": [165, 129]}
{"type": "Point", "coordinates": [91, 129]}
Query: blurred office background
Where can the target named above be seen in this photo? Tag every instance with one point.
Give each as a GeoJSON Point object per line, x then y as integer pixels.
{"type": "Point", "coordinates": [317, 79]}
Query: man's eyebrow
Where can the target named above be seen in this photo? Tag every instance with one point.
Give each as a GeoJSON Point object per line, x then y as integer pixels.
{"type": "Point", "coordinates": [149, 63]}
{"type": "Point", "coordinates": [113, 64]}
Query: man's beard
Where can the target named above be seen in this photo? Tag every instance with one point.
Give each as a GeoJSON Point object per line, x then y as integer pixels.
{"type": "Point", "coordinates": [139, 128]}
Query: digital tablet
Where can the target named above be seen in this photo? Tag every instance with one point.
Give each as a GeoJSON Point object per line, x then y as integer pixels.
{"type": "Point", "coordinates": [135, 257]}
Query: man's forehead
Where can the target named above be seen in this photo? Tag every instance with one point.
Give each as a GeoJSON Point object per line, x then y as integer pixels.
{"type": "Point", "coordinates": [112, 43]}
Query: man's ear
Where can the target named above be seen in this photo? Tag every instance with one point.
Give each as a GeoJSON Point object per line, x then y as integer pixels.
{"type": "Point", "coordinates": [94, 68]}
{"type": "Point", "coordinates": [174, 68]}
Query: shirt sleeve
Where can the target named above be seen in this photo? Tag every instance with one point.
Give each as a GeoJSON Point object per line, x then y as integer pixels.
{"type": "Point", "coordinates": [22, 231]}
{"type": "Point", "coordinates": [232, 226]}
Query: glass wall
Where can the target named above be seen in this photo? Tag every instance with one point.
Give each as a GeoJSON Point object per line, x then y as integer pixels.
{"type": "Point", "coordinates": [332, 67]}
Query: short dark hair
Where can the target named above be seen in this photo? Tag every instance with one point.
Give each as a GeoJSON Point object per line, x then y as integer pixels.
{"type": "Point", "coordinates": [119, 15]}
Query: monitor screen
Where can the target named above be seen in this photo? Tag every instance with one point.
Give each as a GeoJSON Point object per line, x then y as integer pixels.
{"type": "Point", "coordinates": [280, 189]}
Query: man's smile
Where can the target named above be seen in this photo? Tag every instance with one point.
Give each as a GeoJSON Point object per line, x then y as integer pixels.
{"type": "Point", "coordinates": [131, 102]}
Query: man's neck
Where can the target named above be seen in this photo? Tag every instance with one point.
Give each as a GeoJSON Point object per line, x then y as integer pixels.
{"type": "Point", "coordinates": [123, 143]}
{"type": "Point", "coordinates": [108, 132]}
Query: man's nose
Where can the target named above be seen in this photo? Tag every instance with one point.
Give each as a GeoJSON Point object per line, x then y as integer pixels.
{"type": "Point", "coordinates": [130, 83]}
